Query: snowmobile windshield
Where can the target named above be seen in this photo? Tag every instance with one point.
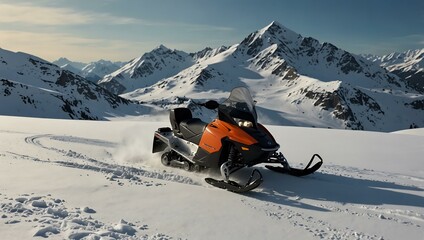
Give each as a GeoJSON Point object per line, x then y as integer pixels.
{"type": "Point", "coordinates": [239, 108]}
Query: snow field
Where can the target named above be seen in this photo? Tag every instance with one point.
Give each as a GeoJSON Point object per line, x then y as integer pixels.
{"type": "Point", "coordinates": [64, 179]}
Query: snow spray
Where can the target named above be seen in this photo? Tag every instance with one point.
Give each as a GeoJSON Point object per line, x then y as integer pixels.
{"type": "Point", "coordinates": [136, 147]}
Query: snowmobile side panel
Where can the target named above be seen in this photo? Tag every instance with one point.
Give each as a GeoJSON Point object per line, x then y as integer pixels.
{"type": "Point", "coordinates": [211, 140]}
{"type": "Point", "coordinates": [251, 154]}
{"type": "Point", "coordinates": [217, 130]}
{"type": "Point", "coordinates": [164, 140]}
{"type": "Point", "coordinates": [263, 128]}
{"type": "Point", "coordinates": [209, 160]}
{"type": "Point", "coordinates": [237, 134]}
{"type": "Point", "coordinates": [183, 147]}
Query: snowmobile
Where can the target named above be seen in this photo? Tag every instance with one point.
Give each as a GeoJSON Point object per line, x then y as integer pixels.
{"type": "Point", "coordinates": [233, 141]}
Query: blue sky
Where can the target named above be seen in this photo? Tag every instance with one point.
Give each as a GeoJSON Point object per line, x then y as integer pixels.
{"type": "Point", "coordinates": [119, 30]}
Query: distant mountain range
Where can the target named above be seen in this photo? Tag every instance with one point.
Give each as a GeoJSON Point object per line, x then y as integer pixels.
{"type": "Point", "coordinates": [93, 71]}
{"type": "Point", "coordinates": [31, 86]}
{"type": "Point", "coordinates": [409, 66]}
{"type": "Point", "coordinates": [295, 80]}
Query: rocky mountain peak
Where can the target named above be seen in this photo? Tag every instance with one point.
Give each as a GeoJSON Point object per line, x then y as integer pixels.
{"type": "Point", "coordinates": [161, 49]}
{"type": "Point", "coordinates": [276, 28]}
{"type": "Point", "coordinates": [277, 33]}
{"type": "Point", "coordinates": [207, 52]}
{"type": "Point", "coordinates": [103, 62]}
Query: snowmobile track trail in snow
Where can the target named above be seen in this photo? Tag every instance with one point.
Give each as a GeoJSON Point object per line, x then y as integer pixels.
{"type": "Point", "coordinates": [114, 171]}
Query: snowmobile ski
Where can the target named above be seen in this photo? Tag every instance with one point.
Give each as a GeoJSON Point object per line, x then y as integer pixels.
{"type": "Point", "coordinates": [235, 187]}
{"type": "Point", "coordinates": [298, 172]}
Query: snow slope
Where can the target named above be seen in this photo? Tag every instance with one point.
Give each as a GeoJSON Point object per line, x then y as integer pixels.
{"type": "Point", "coordinates": [68, 179]}
{"type": "Point", "coordinates": [152, 67]}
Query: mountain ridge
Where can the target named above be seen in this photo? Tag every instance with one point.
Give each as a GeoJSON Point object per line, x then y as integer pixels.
{"type": "Point", "coordinates": [34, 87]}
{"type": "Point", "coordinates": [295, 80]}
{"type": "Point", "coordinates": [153, 66]}
{"type": "Point", "coordinates": [327, 86]}
{"type": "Point", "coordinates": [408, 65]}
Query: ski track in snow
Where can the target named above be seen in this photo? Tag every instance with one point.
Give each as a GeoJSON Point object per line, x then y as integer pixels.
{"type": "Point", "coordinates": [50, 216]}
{"type": "Point", "coordinates": [114, 172]}
{"type": "Point", "coordinates": [316, 227]}
{"type": "Point", "coordinates": [292, 209]}
{"type": "Point", "coordinates": [323, 229]}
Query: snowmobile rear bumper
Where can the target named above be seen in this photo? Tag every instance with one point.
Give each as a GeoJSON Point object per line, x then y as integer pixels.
{"type": "Point", "coordinates": [160, 141]}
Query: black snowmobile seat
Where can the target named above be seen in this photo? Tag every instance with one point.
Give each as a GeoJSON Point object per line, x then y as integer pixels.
{"type": "Point", "coordinates": [184, 125]}
{"type": "Point", "coordinates": [192, 129]}
{"type": "Point", "coordinates": [176, 116]}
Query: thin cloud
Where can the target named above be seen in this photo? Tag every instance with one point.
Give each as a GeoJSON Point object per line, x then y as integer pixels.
{"type": "Point", "coordinates": [412, 39]}
{"type": "Point", "coordinates": [19, 37]}
{"type": "Point", "coordinates": [30, 14]}
{"type": "Point", "coordinates": [41, 33]}
{"type": "Point", "coordinates": [51, 46]}
{"type": "Point", "coordinates": [199, 27]}
{"type": "Point", "coordinates": [53, 16]}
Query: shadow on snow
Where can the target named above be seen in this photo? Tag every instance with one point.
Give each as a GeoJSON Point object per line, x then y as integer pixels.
{"type": "Point", "coordinates": [324, 187]}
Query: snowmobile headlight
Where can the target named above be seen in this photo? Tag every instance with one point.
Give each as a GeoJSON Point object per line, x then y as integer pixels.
{"type": "Point", "coordinates": [243, 123]}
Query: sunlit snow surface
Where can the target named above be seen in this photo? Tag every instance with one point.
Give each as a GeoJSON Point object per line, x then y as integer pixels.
{"type": "Point", "coordinates": [68, 179]}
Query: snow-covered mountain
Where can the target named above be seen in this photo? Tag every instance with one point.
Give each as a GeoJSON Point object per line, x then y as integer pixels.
{"type": "Point", "coordinates": [93, 71]}
{"type": "Point", "coordinates": [207, 53]}
{"type": "Point", "coordinates": [69, 67]}
{"type": "Point", "coordinates": [409, 66]}
{"type": "Point", "coordinates": [153, 66]}
{"type": "Point", "coordinates": [297, 81]}
{"type": "Point", "coordinates": [64, 62]}
{"type": "Point", "coordinates": [31, 86]}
